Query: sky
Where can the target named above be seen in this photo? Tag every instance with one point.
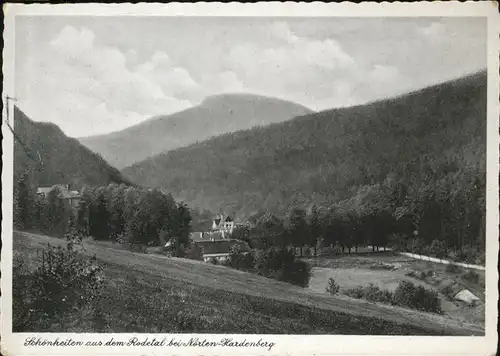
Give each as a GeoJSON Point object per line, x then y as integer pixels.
{"type": "Point", "coordinates": [94, 75]}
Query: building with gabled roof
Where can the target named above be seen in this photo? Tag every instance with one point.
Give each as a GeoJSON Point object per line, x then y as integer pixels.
{"type": "Point", "coordinates": [223, 224]}
{"type": "Point", "coordinates": [73, 197]}
{"type": "Point", "coordinates": [220, 249]}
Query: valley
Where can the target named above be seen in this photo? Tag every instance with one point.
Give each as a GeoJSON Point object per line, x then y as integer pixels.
{"type": "Point", "coordinates": [322, 179]}
{"type": "Point", "coordinates": [230, 300]}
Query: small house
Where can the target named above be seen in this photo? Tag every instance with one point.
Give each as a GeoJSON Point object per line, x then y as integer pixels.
{"type": "Point", "coordinates": [72, 197]}
{"type": "Point", "coordinates": [467, 297]}
{"type": "Point", "coordinates": [220, 249]}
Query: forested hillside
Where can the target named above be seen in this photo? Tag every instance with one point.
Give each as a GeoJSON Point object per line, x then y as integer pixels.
{"type": "Point", "coordinates": [214, 116]}
{"type": "Point", "coordinates": [329, 156]}
{"type": "Point", "coordinates": [50, 157]}
{"type": "Point", "coordinates": [421, 155]}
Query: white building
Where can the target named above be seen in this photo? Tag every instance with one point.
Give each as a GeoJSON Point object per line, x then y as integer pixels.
{"type": "Point", "coordinates": [223, 224]}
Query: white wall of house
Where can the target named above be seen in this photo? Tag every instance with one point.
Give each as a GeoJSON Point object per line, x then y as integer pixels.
{"type": "Point", "coordinates": [219, 257]}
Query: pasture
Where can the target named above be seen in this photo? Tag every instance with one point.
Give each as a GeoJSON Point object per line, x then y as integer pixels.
{"type": "Point", "coordinates": [387, 269]}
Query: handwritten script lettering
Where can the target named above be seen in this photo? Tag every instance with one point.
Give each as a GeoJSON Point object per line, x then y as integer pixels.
{"type": "Point", "coordinates": [149, 342]}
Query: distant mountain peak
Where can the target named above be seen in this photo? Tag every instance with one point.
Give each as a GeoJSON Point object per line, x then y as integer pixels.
{"type": "Point", "coordinates": [327, 157]}
{"type": "Point", "coordinates": [246, 97]}
{"type": "Point", "coordinates": [215, 115]}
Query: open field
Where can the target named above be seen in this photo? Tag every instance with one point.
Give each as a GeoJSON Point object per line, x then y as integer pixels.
{"type": "Point", "coordinates": [152, 293]}
{"type": "Point", "coordinates": [360, 270]}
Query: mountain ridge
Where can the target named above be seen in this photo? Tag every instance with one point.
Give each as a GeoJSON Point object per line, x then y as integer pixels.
{"type": "Point", "coordinates": [214, 116]}
{"type": "Point", "coordinates": [324, 156]}
{"type": "Point", "coordinates": [63, 159]}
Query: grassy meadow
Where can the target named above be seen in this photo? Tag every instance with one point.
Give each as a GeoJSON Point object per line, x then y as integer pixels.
{"type": "Point", "coordinates": [152, 293]}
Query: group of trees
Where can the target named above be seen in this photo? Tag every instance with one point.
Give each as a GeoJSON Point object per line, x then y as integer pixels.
{"type": "Point", "coordinates": [113, 212]}
{"type": "Point", "coordinates": [48, 214]}
{"type": "Point", "coordinates": [445, 218]}
{"type": "Point", "coordinates": [136, 215]}
{"type": "Point", "coordinates": [275, 262]}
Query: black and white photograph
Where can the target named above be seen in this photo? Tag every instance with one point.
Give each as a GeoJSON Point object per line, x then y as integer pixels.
{"type": "Point", "coordinates": [282, 174]}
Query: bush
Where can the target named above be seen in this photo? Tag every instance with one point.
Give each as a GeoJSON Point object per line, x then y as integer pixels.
{"type": "Point", "coordinates": [332, 288]}
{"type": "Point", "coordinates": [240, 260]}
{"type": "Point", "coordinates": [416, 245]}
{"type": "Point", "coordinates": [371, 293]}
{"type": "Point", "coordinates": [214, 261]}
{"type": "Point", "coordinates": [357, 292]}
{"type": "Point", "coordinates": [420, 298]}
{"type": "Point", "coordinates": [471, 276]}
{"type": "Point", "coordinates": [438, 248]}
{"type": "Point", "coordinates": [451, 268]}
{"type": "Point", "coordinates": [412, 274]}
{"type": "Point", "coordinates": [447, 291]}
{"type": "Point", "coordinates": [63, 283]}
{"type": "Point", "coordinates": [282, 265]}
{"type": "Point", "coordinates": [193, 252]}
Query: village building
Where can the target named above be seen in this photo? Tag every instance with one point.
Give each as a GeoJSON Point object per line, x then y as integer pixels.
{"type": "Point", "coordinates": [223, 224]}
{"type": "Point", "coordinates": [217, 243]}
{"type": "Point", "coordinates": [221, 249]}
{"type": "Point", "coordinates": [72, 197]}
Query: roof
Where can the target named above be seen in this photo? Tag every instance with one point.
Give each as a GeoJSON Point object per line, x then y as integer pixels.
{"type": "Point", "coordinates": [466, 296]}
{"type": "Point", "coordinates": [206, 236]}
{"type": "Point", "coordinates": [65, 194]}
{"type": "Point", "coordinates": [72, 196]}
{"type": "Point", "coordinates": [44, 190]}
{"type": "Point", "coordinates": [215, 254]}
{"type": "Point", "coordinates": [229, 219]}
{"type": "Point", "coordinates": [221, 246]}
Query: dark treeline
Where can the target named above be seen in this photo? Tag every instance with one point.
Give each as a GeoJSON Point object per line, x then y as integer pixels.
{"type": "Point", "coordinates": [115, 212]}
{"type": "Point", "coordinates": [444, 218]}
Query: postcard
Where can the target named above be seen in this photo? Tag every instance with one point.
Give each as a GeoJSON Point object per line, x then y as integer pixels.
{"type": "Point", "coordinates": [250, 179]}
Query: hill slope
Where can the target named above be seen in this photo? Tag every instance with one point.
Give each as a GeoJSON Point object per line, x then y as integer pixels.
{"type": "Point", "coordinates": [251, 303]}
{"type": "Point", "coordinates": [214, 116]}
{"type": "Point", "coordinates": [327, 156]}
{"type": "Point", "coordinates": [64, 159]}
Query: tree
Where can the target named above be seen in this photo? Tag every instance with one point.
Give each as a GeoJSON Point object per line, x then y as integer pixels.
{"type": "Point", "coordinates": [82, 216]}
{"type": "Point", "coordinates": [23, 202]}
{"type": "Point", "coordinates": [56, 214]}
{"type": "Point", "coordinates": [297, 227]}
{"type": "Point", "coordinates": [99, 218]}
{"type": "Point", "coordinates": [117, 210]}
{"type": "Point", "coordinates": [315, 226]}
{"type": "Point", "coordinates": [183, 218]}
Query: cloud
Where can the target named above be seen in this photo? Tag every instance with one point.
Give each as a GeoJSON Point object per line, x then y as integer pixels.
{"type": "Point", "coordinates": [93, 84]}
{"type": "Point", "coordinates": [384, 74]}
{"type": "Point", "coordinates": [106, 75]}
{"type": "Point", "coordinates": [229, 82]}
{"type": "Point", "coordinates": [318, 70]}
{"type": "Point", "coordinates": [173, 80]}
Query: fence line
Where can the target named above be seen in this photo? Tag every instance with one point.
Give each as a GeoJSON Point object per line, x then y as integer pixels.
{"type": "Point", "coordinates": [438, 260]}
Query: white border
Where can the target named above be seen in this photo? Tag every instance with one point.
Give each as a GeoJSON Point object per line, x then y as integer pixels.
{"type": "Point", "coordinates": [285, 344]}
